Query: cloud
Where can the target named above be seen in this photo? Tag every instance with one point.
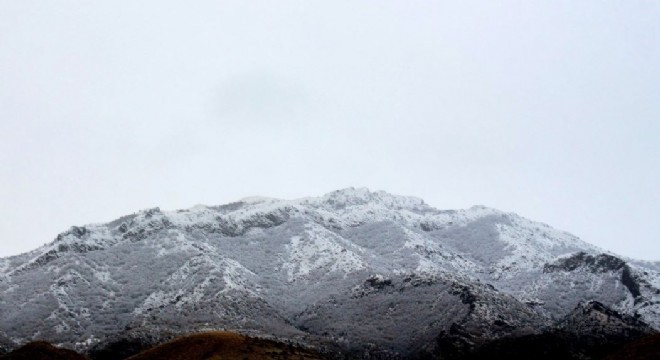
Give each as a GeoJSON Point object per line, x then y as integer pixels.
{"type": "Point", "coordinates": [259, 98]}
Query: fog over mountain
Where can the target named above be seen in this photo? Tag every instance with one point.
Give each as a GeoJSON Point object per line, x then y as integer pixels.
{"type": "Point", "coordinates": [356, 271]}
{"type": "Point", "coordinates": [544, 108]}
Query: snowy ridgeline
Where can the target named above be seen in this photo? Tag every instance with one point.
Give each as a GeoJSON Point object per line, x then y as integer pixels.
{"type": "Point", "coordinates": [314, 268]}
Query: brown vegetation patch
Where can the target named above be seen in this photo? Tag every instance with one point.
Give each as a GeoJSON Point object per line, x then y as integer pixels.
{"type": "Point", "coordinates": [226, 346]}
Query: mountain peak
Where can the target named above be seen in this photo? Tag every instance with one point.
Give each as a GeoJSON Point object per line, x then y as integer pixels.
{"type": "Point", "coordinates": [257, 199]}
{"type": "Point", "coordinates": [363, 196]}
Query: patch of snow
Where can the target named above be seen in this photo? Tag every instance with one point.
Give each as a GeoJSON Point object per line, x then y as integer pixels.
{"type": "Point", "coordinates": [319, 249]}
{"type": "Point", "coordinates": [87, 343]}
{"type": "Point", "coordinates": [183, 288]}
{"type": "Point", "coordinates": [235, 276]}
{"type": "Point", "coordinates": [433, 258]}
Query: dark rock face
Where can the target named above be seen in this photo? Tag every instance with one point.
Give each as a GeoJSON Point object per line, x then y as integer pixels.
{"type": "Point", "coordinates": [77, 247]}
{"type": "Point", "coordinates": [599, 263]}
{"type": "Point", "coordinates": [378, 282]}
{"type": "Point", "coordinates": [466, 296]}
{"type": "Point", "coordinates": [630, 282]}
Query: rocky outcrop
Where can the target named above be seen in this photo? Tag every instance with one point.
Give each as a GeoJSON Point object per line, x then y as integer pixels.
{"type": "Point", "coordinates": [601, 263]}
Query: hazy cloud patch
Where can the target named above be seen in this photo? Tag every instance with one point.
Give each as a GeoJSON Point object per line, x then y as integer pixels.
{"type": "Point", "coordinates": [258, 98]}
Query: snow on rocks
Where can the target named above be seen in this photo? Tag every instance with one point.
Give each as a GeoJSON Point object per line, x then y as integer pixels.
{"type": "Point", "coordinates": [319, 249]}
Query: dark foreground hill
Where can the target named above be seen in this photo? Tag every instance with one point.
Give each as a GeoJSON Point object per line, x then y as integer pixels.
{"type": "Point", "coordinates": [40, 350]}
{"type": "Point", "coordinates": [226, 346]}
{"type": "Point", "coordinates": [556, 345]}
{"type": "Point", "coordinates": [647, 348]}
{"type": "Point", "coordinates": [204, 346]}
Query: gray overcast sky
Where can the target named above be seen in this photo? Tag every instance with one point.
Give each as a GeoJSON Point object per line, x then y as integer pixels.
{"type": "Point", "coordinates": [550, 109]}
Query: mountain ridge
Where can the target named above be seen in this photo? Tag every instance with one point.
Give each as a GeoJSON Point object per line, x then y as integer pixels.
{"type": "Point", "coordinates": [305, 269]}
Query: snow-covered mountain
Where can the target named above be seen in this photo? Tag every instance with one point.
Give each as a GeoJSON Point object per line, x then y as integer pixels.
{"type": "Point", "coordinates": [361, 270]}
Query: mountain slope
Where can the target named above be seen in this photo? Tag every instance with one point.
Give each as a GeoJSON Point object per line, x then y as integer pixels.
{"type": "Point", "coordinates": [310, 269]}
